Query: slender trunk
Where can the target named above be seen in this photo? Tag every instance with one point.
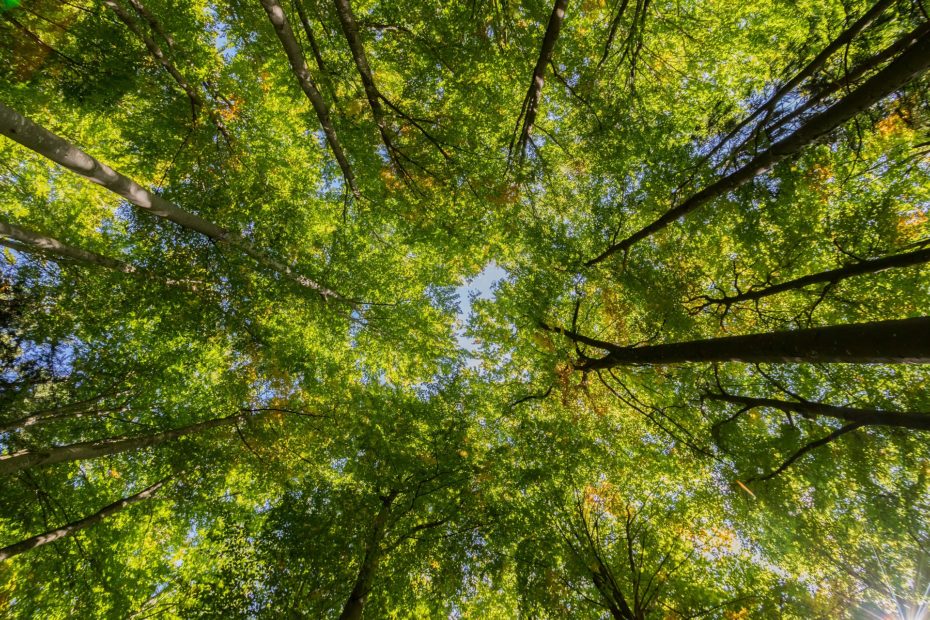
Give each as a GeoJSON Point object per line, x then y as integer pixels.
{"type": "Point", "coordinates": [74, 527]}
{"type": "Point", "coordinates": [350, 29]}
{"type": "Point", "coordinates": [832, 276]}
{"type": "Point", "coordinates": [366, 571]}
{"type": "Point", "coordinates": [31, 242]}
{"type": "Point", "coordinates": [154, 24]}
{"type": "Point", "coordinates": [852, 75]}
{"type": "Point", "coordinates": [914, 61]}
{"type": "Point", "coordinates": [10, 463]}
{"type": "Point", "coordinates": [534, 94]}
{"type": "Point", "coordinates": [49, 415]}
{"type": "Point", "coordinates": [614, 25]}
{"type": "Point", "coordinates": [863, 417]}
{"type": "Point", "coordinates": [196, 98]}
{"type": "Point", "coordinates": [36, 138]}
{"type": "Point", "coordinates": [34, 242]}
{"type": "Point", "coordinates": [880, 342]}
{"type": "Point", "coordinates": [294, 55]}
{"type": "Point", "coordinates": [155, 50]}
{"type": "Point", "coordinates": [844, 38]}
{"type": "Point", "coordinates": [314, 47]}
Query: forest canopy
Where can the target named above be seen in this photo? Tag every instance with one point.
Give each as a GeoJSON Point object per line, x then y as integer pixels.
{"type": "Point", "coordinates": [465, 309]}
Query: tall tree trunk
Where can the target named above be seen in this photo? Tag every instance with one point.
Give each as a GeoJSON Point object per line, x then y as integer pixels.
{"type": "Point", "coordinates": [36, 138]}
{"type": "Point", "coordinates": [31, 242]}
{"type": "Point", "coordinates": [196, 98]}
{"type": "Point", "coordinates": [299, 66]}
{"type": "Point", "coordinates": [35, 242]}
{"type": "Point", "coordinates": [863, 417]}
{"type": "Point", "coordinates": [314, 47]}
{"type": "Point", "coordinates": [914, 61]}
{"type": "Point", "coordinates": [10, 463]}
{"type": "Point", "coordinates": [80, 409]}
{"type": "Point", "coordinates": [879, 342]}
{"type": "Point", "coordinates": [534, 94]}
{"type": "Point", "coordinates": [835, 45]}
{"type": "Point", "coordinates": [369, 566]}
{"type": "Point", "coordinates": [832, 276]}
{"type": "Point", "coordinates": [74, 527]}
{"type": "Point", "coordinates": [350, 29]}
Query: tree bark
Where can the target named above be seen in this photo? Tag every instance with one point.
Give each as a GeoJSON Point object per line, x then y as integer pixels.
{"type": "Point", "coordinates": [355, 604]}
{"type": "Point", "coordinates": [880, 342]}
{"type": "Point", "coordinates": [299, 66]}
{"type": "Point", "coordinates": [914, 61]}
{"type": "Point", "coordinates": [863, 417]}
{"type": "Point", "coordinates": [350, 29]}
{"type": "Point", "coordinates": [49, 245]}
{"type": "Point", "coordinates": [31, 242]}
{"type": "Point", "coordinates": [79, 409]}
{"type": "Point", "coordinates": [196, 98]}
{"type": "Point", "coordinates": [314, 47]}
{"type": "Point", "coordinates": [10, 463]}
{"type": "Point", "coordinates": [844, 38]}
{"type": "Point", "coordinates": [74, 527]}
{"type": "Point", "coordinates": [36, 138]}
{"type": "Point", "coordinates": [832, 276]}
{"type": "Point", "coordinates": [534, 94]}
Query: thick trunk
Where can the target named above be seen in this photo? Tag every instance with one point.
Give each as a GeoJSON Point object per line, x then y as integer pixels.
{"type": "Point", "coordinates": [355, 604]}
{"type": "Point", "coordinates": [72, 528]}
{"type": "Point", "coordinates": [350, 29]}
{"type": "Point", "coordinates": [879, 342]}
{"type": "Point", "coordinates": [36, 138]}
{"type": "Point", "coordinates": [616, 604]}
{"type": "Point", "coordinates": [875, 265]}
{"type": "Point", "coordinates": [914, 61]}
{"type": "Point", "coordinates": [294, 55]}
{"type": "Point", "coordinates": [534, 94]}
{"type": "Point", "coordinates": [863, 417]}
{"type": "Point", "coordinates": [10, 463]}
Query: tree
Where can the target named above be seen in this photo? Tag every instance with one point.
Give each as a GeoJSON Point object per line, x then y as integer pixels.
{"type": "Point", "coordinates": [687, 380]}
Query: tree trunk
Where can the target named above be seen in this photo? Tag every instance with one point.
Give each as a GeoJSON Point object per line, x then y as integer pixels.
{"type": "Point", "coordinates": [30, 242]}
{"type": "Point", "coordinates": [880, 342]}
{"type": "Point", "coordinates": [35, 242]}
{"type": "Point", "coordinates": [294, 55]}
{"type": "Point", "coordinates": [366, 571]}
{"type": "Point", "coordinates": [875, 265]}
{"type": "Point", "coordinates": [10, 463]}
{"type": "Point", "coordinates": [36, 138]}
{"type": "Point", "coordinates": [863, 417]}
{"type": "Point", "coordinates": [314, 47]}
{"type": "Point", "coordinates": [914, 61]}
{"type": "Point", "coordinates": [81, 410]}
{"type": "Point", "coordinates": [196, 98]}
{"type": "Point", "coordinates": [844, 38]}
{"type": "Point", "coordinates": [534, 94]}
{"type": "Point", "coordinates": [72, 528]}
{"type": "Point", "coordinates": [350, 29]}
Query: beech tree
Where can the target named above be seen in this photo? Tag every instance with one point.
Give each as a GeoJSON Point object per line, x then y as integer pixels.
{"type": "Point", "coordinates": [589, 309]}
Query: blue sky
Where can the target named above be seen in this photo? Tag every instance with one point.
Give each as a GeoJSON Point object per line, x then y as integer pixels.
{"type": "Point", "coordinates": [481, 286]}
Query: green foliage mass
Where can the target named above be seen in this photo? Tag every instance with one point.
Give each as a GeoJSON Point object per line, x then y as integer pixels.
{"type": "Point", "coordinates": [342, 433]}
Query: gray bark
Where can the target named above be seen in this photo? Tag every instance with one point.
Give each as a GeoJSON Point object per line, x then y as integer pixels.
{"type": "Point", "coordinates": [36, 138]}
{"type": "Point", "coordinates": [74, 527]}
